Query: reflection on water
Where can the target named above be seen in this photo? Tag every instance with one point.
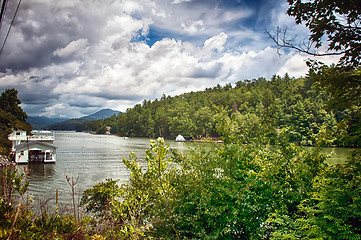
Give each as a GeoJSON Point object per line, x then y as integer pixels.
{"type": "Point", "coordinates": [42, 171]}
{"type": "Point", "coordinates": [337, 155]}
{"type": "Point", "coordinates": [94, 158]}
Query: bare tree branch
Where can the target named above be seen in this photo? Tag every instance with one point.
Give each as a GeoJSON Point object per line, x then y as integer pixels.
{"type": "Point", "coordinates": [279, 37]}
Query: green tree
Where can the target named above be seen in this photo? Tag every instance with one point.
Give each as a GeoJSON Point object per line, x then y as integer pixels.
{"type": "Point", "coordinates": [161, 122]}
{"type": "Point", "coordinates": [182, 123]}
{"type": "Point", "coordinates": [330, 211]}
{"type": "Point", "coordinates": [204, 119]}
{"type": "Point", "coordinates": [10, 103]}
{"type": "Point", "coordinates": [342, 83]}
{"type": "Point", "coordinates": [11, 117]}
{"type": "Point", "coordinates": [229, 191]}
{"type": "Point", "coordinates": [338, 20]}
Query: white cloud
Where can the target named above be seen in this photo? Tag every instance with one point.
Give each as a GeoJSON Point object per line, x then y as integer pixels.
{"type": "Point", "coordinates": [130, 6]}
{"type": "Point", "coordinates": [180, 1]}
{"type": "Point", "coordinates": [125, 25]}
{"type": "Point", "coordinates": [69, 60]}
{"type": "Point", "coordinates": [171, 67]}
{"type": "Point", "coordinates": [295, 66]}
{"type": "Point", "coordinates": [75, 48]}
{"type": "Point", "coordinates": [193, 27]}
{"type": "Point", "coordinates": [54, 110]}
{"type": "Point", "coordinates": [215, 43]}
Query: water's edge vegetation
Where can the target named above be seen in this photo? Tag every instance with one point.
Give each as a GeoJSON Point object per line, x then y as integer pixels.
{"type": "Point", "coordinates": [295, 104]}
{"type": "Point", "coordinates": [227, 191]}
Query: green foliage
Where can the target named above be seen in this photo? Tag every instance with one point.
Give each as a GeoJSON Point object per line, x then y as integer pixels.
{"type": "Point", "coordinates": [343, 84]}
{"type": "Point", "coordinates": [301, 105]}
{"type": "Point", "coordinates": [242, 189]}
{"type": "Point", "coordinates": [335, 203]}
{"type": "Point", "coordinates": [337, 20]}
{"type": "Point", "coordinates": [100, 197]}
{"type": "Point", "coordinates": [147, 198]}
{"type": "Point", "coordinates": [11, 117]}
{"type": "Point", "coordinates": [255, 185]}
{"type": "Point", "coordinates": [143, 206]}
{"type": "Point", "coordinates": [228, 191]}
{"type": "Point", "coordinates": [11, 183]}
{"type": "Point", "coordinates": [9, 103]}
{"type": "Point", "coordinates": [330, 210]}
{"type": "Point", "coordinates": [51, 227]}
{"type": "Point", "coordinates": [18, 221]}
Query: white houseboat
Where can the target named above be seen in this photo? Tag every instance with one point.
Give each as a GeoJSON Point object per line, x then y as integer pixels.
{"type": "Point", "coordinates": [35, 148]}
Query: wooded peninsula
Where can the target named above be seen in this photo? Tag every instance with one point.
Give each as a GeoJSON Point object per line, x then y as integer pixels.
{"type": "Point", "coordinates": [297, 105]}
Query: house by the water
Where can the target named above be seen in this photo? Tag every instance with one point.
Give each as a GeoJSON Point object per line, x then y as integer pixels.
{"type": "Point", "coordinates": [35, 148]}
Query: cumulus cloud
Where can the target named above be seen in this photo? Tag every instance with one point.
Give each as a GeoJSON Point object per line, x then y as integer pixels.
{"type": "Point", "coordinates": [193, 27]}
{"type": "Point", "coordinates": [76, 48]}
{"type": "Point", "coordinates": [215, 43]}
{"type": "Point", "coordinates": [296, 64]}
{"type": "Point", "coordinates": [75, 57]}
{"type": "Point", "coordinates": [54, 110]}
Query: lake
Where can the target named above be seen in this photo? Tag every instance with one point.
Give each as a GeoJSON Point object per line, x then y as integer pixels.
{"type": "Point", "coordinates": [94, 158]}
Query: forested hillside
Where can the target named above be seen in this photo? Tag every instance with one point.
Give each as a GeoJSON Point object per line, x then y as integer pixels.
{"type": "Point", "coordinates": [296, 105]}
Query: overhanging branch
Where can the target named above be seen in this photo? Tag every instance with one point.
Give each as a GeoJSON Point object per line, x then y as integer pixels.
{"type": "Point", "coordinates": [279, 37]}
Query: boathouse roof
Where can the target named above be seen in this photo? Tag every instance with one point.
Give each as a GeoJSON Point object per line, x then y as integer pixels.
{"type": "Point", "coordinates": [30, 143]}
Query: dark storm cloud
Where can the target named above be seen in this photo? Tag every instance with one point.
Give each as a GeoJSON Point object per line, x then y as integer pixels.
{"type": "Point", "coordinates": [37, 98]}
{"type": "Point", "coordinates": [84, 104]}
{"type": "Point", "coordinates": [38, 79]}
{"type": "Point", "coordinates": [33, 90]}
{"type": "Point", "coordinates": [119, 96]}
{"type": "Point", "coordinates": [39, 30]}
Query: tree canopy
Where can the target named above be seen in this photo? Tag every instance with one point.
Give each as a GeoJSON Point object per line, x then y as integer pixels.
{"type": "Point", "coordinates": [12, 116]}
{"type": "Point", "coordinates": [337, 26]}
{"type": "Point", "coordinates": [333, 24]}
{"type": "Point", "coordinates": [338, 20]}
{"type": "Point", "coordinates": [293, 103]}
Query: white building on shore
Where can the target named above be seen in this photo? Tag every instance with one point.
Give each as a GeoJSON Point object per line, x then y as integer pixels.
{"type": "Point", "coordinates": [35, 148]}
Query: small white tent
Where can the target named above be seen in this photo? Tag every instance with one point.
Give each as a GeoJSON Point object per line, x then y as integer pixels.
{"type": "Point", "coordinates": [180, 138]}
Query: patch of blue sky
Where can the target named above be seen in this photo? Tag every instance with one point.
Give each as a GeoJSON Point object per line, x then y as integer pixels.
{"type": "Point", "coordinates": [155, 34]}
{"type": "Point", "coordinates": [140, 37]}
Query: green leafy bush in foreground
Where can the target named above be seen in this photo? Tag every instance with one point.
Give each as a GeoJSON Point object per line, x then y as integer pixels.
{"type": "Point", "coordinates": [245, 188]}
{"type": "Point", "coordinates": [19, 220]}
{"type": "Point", "coordinates": [255, 185]}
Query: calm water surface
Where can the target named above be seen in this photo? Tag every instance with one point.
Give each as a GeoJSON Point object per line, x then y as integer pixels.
{"type": "Point", "coordinates": [94, 158]}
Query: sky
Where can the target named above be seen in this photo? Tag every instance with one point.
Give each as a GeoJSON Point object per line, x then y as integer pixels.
{"type": "Point", "coordinates": [71, 58]}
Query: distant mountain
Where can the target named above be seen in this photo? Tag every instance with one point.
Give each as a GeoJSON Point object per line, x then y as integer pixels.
{"type": "Point", "coordinates": [102, 114]}
{"type": "Point", "coordinates": [77, 124]}
{"type": "Point", "coordinates": [39, 122]}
